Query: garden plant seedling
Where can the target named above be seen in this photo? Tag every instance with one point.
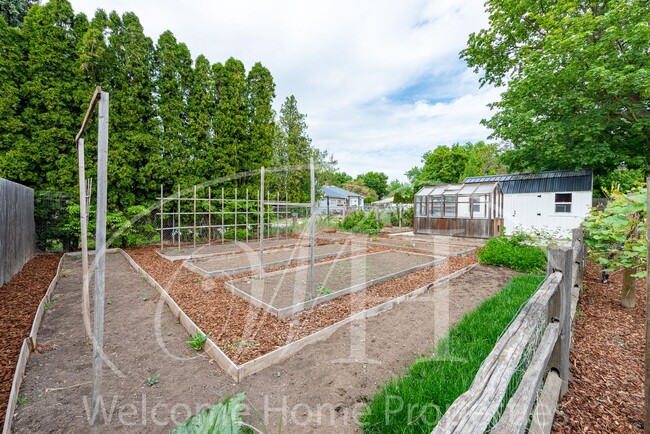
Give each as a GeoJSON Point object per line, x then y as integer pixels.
{"type": "Point", "coordinates": [198, 340]}
{"type": "Point", "coordinates": [153, 379]}
{"type": "Point", "coordinates": [22, 400]}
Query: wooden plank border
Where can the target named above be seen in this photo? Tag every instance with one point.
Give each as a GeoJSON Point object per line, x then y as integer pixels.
{"type": "Point", "coordinates": [299, 307]}
{"type": "Point", "coordinates": [253, 366]}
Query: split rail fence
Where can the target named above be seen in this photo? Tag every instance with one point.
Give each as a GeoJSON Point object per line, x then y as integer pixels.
{"type": "Point", "coordinates": [17, 229]}
{"type": "Point", "coordinates": [517, 387]}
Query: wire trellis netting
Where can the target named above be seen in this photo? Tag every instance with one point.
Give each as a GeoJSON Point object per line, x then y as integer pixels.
{"type": "Point", "coordinates": [215, 215]}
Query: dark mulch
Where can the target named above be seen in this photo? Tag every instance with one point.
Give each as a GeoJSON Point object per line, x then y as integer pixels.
{"type": "Point", "coordinates": [19, 300]}
{"type": "Point", "coordinates": [246, 332]}
{"type": "Point", "coordinates": [607, 357]}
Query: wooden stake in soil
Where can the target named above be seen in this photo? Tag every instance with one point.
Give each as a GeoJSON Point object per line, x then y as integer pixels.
{"type": "Point", "coordinates": [312, 240]}
{"type": "Point", "coordinates": [235, 214]}
{"type": "Point", "coordinates": [261, 222]}
{"type": "Point", "coordinates": [223, 227]}
{"type": "Point", "coordinates": [100, 260]}
{"type": "Point", "coordinates": [162, 210]}
{"type": "Point", "coordinates": [247, 215]}
{"type": "Point", "coordinates": [194, 230]}
{"type": "Point", "coordinates": [209, 215]}
{"type": "Point", "coordinates": [647, 318]}
{"type": "Point", "coordinates": [84, 237]}
{"type": "Point", "coordinates": [178, 219]}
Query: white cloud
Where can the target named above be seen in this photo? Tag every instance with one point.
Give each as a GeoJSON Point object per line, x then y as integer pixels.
{"type": "Point", "coordinates": [345, 62]}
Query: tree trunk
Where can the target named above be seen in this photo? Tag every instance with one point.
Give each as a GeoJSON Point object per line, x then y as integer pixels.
{"type": "Point", "coordinates": [628, 295]}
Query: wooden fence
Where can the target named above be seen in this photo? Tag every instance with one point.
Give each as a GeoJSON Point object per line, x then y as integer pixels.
{"type": "Point", "coordinates": [17, 230]}
{"type": "Point", "coordinates": [518, 385]}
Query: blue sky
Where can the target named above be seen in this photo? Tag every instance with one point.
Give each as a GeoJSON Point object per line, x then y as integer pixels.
{"type": "Point", "coordinates": [380, 80]}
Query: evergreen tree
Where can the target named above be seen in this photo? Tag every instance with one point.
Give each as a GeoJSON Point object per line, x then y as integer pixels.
{"type": "Point", "coordinates": [293, 150]}
{"type": "Point", "coordinates": [43, 156]}
{"type": "Point", "coordinates": [14, 11]}
{"type": "Point", "coordinates": [260, 90]}
{"type": "Point", "coordinates": [134, 161]}
{"type": "Point", "coordinates": [230, 116]}
{"type": "Point", "coordinates": [173, 65]}
{"type": "Point", "coordinates": [200, 113]}
{"type": "Point", "coordinates": [11, 67]}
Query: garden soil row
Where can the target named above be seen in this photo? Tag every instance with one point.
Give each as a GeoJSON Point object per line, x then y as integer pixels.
{"type": "Point", "coordinates": [19, 300]}
{"type": "Point", "coordinates": [246, 332]}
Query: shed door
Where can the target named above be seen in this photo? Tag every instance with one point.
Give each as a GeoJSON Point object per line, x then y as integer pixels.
{"type": "Point", "coordinates": [528, 211]}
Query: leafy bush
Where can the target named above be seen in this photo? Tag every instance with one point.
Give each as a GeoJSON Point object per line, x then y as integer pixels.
{"type": "Point", "coordinates": [511, 252]}
{"type": "Point", "coordinates": [130, 228]}
{"type": "Point", "coordinates": [407, 217]}
{"type": "Point", "coordinates": [361, 222]}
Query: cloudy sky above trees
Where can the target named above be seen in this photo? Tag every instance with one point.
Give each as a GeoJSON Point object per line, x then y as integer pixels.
{"type": "Point", "coordinates": [380, 80]}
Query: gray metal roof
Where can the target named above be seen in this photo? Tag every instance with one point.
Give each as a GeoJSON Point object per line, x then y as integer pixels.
{"type": "Point", "coordinates": [337, 192]}
{"type": "Point", "coordinates": [543, 182]}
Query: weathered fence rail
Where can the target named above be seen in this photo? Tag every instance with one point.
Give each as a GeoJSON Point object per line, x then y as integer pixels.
{"type": "Point", "coordinates": [518, 385]}
{"type": "Point", "coordinates": [17, 230]}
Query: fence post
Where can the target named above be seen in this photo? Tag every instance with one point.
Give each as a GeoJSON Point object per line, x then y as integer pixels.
{"type": "Point", "coordinates": [162, 209]}
{"type": "Point", "coordinates": [179, 217]}
{"type": "Point", "coordinates": [260, 224]}
{"type": "Point", "coordinates": [561, 259]}
{"type": "Point", "coordinates": [209, 216]}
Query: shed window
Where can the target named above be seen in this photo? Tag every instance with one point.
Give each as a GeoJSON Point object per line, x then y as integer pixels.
{"type": "Point", "coordinates": [563, 202]}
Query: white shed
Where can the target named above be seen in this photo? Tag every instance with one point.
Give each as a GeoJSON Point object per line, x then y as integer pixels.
{"type": "Point", "coordinates": [555, 201]}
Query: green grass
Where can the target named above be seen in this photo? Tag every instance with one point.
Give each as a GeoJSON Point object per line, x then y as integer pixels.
{"type": "Point", "coordinates": [415, 402]}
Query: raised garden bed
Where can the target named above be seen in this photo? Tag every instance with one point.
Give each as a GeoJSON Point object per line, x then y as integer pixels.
{"type": "Point", "coordinates": [246, 262]}
{"type": "Point", "coordinates": [217, 248]}
{"type": "Point", "coordinates": [284, 293]}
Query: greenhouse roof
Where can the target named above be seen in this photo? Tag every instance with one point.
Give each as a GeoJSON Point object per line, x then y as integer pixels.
{"type": "Point", "coordinates": [458, 189]}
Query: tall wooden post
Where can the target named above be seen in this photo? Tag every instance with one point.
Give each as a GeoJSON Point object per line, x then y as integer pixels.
{"type": "Point", "coordinates": [178, 217]}
{"type": "Point", "coordinates": [194, 229]}
{"type": "Point", "coordinates": [162, 210]}
{"type": "Point", "coordinates": [209, 215]}
{"type": "Point", "coordinates": [561, 259]}
{"type": "Point", "coordinates": [261, 222]}
{"type": "Point", "coordinates": [84, 238]}
{"type": "Point", "coordinates": [100, 251]}
{"type": "Point", "coordinates": [235, 214]}
{"type": "Point", "coordinates": [223, 227]}
{"type": "Point", "coordinates": [647, 319]}
{"type": "Point", "coordinates": [312, 224]}
{"type": "Point", "coordinates": [247, 214]}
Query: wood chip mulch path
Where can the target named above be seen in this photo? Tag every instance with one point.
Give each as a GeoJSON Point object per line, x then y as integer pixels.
{"type": "Point", "coordinates": [607, 361]}
{"type": "Point", "coordinates": [245, 332]}
{"type": "Point", "coordinates": [19, 300]}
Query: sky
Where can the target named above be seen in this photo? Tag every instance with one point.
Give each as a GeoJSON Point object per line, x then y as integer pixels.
{"type": "Point", "coordinates": [380, 81]}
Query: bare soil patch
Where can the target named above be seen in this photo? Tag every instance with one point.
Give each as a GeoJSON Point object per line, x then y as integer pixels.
{"type": "Point", "coordinates": [607, 361]}
{"type": "Point", "coordinates": [320, 389]}
{"type": "Point", "coordinates": [287, 288]}
{"type": "Point", "coordinates": [19, 300]}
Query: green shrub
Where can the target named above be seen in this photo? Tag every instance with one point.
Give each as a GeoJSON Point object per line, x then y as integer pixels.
{"type": "Point", "coordinates": [407, 217]}
{"type": "Point", "coordinates": [361, 222]}
{"type": "Point", "coordinates": [511, 252]}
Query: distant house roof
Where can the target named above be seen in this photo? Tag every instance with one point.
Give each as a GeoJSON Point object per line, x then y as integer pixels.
{"type": "Point", "coordinates": [337, 192]}
{"type": "Point", "coordinates": [384, 201]}
{"type": "Point", "coordinates": [543, 182]}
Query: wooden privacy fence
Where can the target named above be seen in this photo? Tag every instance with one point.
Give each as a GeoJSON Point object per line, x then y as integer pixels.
{"type": "Point", "coordinates": [507, 396]}
{"type": "Point", "coordinates": [17, 230]}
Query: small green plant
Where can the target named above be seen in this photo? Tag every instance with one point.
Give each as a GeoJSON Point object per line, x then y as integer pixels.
{"type": "Point", "coordinates": [153, 379]}
{"type": "Point", "coordinates": [198, 279]}
{"type": "Point", "coordinates": [323, 290]}
{"type": "Point", "coordinates": [239, 343]}
{"type": "Point", "coordinates": [56, 297]}
{"type": "Point", "coordinates": [360, 222]}
{"type": "Point", "coordinates": [197, 341]}
{"type": "Point", "coordinates": [47, 305]}
{"type": "Point", "coordinates": [23, 400]}
{"type": "Point", "coordinates": [223, 417]}
{"type": "Point", "coordinates": [145, 298]}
